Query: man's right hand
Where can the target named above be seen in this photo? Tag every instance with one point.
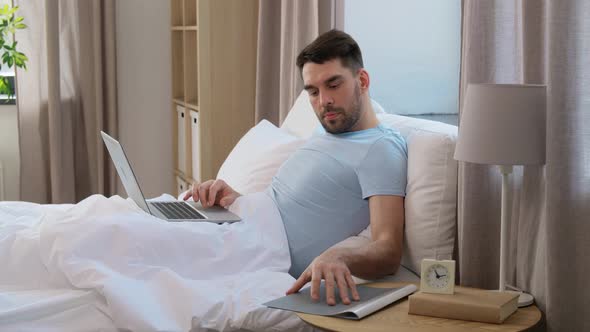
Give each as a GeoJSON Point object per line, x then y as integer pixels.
{"type": "Point", "coordinates": [212, 192]}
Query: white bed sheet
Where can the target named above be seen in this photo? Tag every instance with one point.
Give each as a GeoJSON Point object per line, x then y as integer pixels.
{"type": "Point", "coordinates": [53, 310]}
{"type": "Point", "coordinates": [106, 262]}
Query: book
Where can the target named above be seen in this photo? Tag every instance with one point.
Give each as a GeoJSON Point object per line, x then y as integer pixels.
{"type": "Point", "coordinates": [466, 304]}
{"type": "Point", "coordinates": [371, 300]}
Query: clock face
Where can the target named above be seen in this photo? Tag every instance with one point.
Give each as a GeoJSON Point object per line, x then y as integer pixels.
{"type": "Point", "coordinates": [437, 276]}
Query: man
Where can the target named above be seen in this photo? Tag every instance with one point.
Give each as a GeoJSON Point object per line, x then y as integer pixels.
{"type": "Point", "coordinates": [339, 181]}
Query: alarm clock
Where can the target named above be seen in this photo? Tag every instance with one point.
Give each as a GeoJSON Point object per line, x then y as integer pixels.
{"type": "Point", "coordinates": [437, 276]}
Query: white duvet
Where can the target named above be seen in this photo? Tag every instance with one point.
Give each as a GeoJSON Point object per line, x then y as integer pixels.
{"type": "Point", "coordinates": [105, 264]}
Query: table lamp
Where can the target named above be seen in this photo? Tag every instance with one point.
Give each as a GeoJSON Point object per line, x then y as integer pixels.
{"type": "Point", "coordinates": [504, 125]}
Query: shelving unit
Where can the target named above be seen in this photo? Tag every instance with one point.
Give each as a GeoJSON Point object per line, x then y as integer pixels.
{"type": "Point", "coordinates": [213, 82]}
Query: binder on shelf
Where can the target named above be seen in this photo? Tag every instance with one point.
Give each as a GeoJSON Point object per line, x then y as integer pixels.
{"type": "Point", "coordinates": [181, 117]}
{"type": "Point", "coordinates": [181, 185]}
{"type": "Point", "coordinates": [195, 124]}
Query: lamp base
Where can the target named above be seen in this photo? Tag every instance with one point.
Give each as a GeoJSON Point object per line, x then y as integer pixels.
{"type": "Point", "coordinates": [524, 300]}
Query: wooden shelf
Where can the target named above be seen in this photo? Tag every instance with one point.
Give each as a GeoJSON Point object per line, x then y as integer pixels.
{"type": "Point", "coordinates": [214, 74]}
{"type": "Point", "coordinates": [192, 105]}
{"type": "Point", "coordinates": [185, 28]}
{"type": "Point", "coordinates": [190, 12]}
{"type": "Point", "coordinates": [177, 65]}
{"type": "Point", "coordinates": [176, 10]}
{"type": "Point", "coordinates": [181, 175]}
{"type": "Point", "coordinates": [191, 67]}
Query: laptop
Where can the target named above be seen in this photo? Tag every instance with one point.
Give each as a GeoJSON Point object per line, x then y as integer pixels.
{"type": "Point", "coordinates": [171, 210]}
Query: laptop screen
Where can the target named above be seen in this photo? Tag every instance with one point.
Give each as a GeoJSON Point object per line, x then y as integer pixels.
{"type": "Point", "coordinates": [125, 172]}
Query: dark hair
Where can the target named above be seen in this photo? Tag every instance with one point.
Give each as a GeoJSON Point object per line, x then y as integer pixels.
{"type": "Point", "coordinates": [331, 45]}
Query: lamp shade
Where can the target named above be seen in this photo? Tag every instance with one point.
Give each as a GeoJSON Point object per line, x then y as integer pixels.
{"type": "Point", "coordinates": [503, 124]}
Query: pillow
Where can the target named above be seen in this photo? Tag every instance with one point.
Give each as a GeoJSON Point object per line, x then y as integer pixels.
{"type": "Point", "coordinates": [301, 120]}
{"type": "Point", "coordinates": [257, 157]}
{"type": "Point", "coordinates": [431, 192]}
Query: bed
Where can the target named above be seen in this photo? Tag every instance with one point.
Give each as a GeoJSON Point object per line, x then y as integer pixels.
{"type": "Point", "coordinates": [103, 264]}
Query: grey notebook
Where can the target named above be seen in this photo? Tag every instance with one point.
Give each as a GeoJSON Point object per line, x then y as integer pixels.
{"type": "Point", "coordinates": [372, 299]}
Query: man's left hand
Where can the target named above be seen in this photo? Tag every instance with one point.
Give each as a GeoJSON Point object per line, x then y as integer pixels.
{"type": "Point", "coordinates": [335, 272]}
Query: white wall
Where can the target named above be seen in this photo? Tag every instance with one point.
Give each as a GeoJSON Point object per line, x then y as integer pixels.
{"type": "Point", "coordinates": [145, 92]}
{"type": "Point", "coordinates": [9, 153]}
{"type": "Point", "coordinates": [9, 150]}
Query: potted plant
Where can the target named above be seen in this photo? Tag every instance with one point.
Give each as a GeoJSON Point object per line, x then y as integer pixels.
{"type": "Point", "coordinates": [9, 23]}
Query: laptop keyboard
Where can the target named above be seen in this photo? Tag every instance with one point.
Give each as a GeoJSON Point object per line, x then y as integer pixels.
{"type": "Point", "coordinates": [177, 210]}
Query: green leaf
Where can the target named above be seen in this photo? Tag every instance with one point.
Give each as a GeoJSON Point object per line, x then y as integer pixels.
{"type": "Point", "coordinates": [9, 23]}
{"type": "Point", "coordinates": [4, 86]}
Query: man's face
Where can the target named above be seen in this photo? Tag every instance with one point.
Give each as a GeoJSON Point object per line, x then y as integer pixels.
{"type": "Point", "coordinates": [335, 95]}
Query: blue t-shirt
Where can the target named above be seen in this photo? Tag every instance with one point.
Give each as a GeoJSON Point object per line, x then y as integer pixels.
{"type": "Point", "coordinates": [321, 191]}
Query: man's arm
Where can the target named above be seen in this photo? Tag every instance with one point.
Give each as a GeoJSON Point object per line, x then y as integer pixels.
{"type": "Point", "coordinates": [378, 258]}
{"type": "Point", "coordinates": [382, 255]}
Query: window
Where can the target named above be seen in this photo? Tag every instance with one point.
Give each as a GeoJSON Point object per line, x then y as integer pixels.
{"type": "Point", "coordinates": [412, 51]}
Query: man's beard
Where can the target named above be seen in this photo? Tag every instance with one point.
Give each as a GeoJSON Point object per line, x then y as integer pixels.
{"type": "Point", "coordinates": [347, 119]}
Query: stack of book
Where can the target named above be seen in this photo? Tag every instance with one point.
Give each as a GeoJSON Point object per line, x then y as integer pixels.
{"type": "Point", "coordinates": [466, 304]}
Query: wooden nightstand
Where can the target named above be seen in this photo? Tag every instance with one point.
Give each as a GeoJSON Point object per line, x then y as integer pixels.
{"type": "Point", "coordinates": [396, 318]}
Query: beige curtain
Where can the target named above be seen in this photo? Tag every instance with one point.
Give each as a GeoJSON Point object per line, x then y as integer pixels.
{"type": "Point", "coordinates": [546, 42]}
{"type": "Point", "coordinates": [285, 27]}
{"type": "Point", "coordinates": [65, 97]}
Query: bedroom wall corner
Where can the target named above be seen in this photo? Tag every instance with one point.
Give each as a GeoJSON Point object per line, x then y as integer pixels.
{"type": "Point", "coordinates": [144, 92]}
{"type": "Point", "coordinates": [9, 154]}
